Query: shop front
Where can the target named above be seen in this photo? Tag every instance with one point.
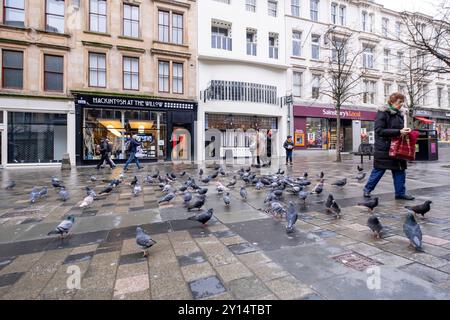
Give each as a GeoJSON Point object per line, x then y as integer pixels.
{"type": "Point", "coordinates": [164, 127]}
{"type": "Point", "coordinates": [434, 120]}
{"type": "Point", "coordinates": [316, 128]}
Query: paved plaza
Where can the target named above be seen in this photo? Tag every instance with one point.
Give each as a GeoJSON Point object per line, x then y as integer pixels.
{"type": "Point", "coordinates": [243, 253]}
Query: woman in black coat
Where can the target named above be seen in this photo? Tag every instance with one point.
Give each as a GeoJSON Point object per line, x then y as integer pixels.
{"type": "Point", "coordinates": [389, 123]}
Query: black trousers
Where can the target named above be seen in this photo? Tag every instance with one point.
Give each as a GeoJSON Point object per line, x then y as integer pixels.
{"type": "Point", "coordinates": [105, 157]}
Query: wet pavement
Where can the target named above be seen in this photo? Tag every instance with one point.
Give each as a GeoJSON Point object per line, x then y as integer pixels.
{"type": "Point", "coordinates": [243, 253]}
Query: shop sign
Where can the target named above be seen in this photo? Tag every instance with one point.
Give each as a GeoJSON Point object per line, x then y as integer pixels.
{"type": "Point", "coordinates": [108, 101]}
{"type": "Point", "coordinates": [422, 113]}
{"type": "Point", "coordinates": [327, 112]}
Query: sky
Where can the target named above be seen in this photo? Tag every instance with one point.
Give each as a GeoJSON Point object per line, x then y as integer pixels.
{"type": "Point", "coordinates": [425, 6]}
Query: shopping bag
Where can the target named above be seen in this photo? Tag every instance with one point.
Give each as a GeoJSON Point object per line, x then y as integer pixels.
{"type": "Point", "coordinates": [404, 147]}
{"type": "Point", "coordinates": [139, 152]}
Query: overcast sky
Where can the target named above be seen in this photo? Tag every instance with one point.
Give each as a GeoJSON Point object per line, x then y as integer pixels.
{"type": "Point", "coordinates": [425, 6]}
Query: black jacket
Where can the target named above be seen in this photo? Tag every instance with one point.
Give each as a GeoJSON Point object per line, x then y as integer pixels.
{"type": "Point", "coordinates": [388, 124]}
{"type": "Point", "coordinates": [104, 147]}
{"type": "Point", "coordinates": [286, 144]}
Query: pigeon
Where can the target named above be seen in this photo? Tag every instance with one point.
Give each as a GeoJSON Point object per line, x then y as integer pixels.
{"type": "Point", "coordinates": [280, 172]}
{"type": "Point", "coordinates": [167, 188]}
{"type": "Point", "coordinates": [134, 181]}
{"type": "Point", "coordinates": [182, 174]}
{"type": "Point", "coordinates": [202, 191]}
{"type": "Point", "coordinates": [321, 175]}
{"type": "Point", "coordinates": [63, 194]}
{"type": "Point", "coordinates": [221, 188]}
{"type": "Point", "coordinates": [259, 185]}
{"type": "Point", "coordinates": [291, 218]}
{"type": "Point", "coordinates": [43, 192]}
{"type": "Point", "coordinates": [155, 175]}
{"type": "Point", "coordinates": [335, 209]}
{"type": "Point", "coordinates": [203, 217]}
{"type": "Point", "coordinates": [200, 172]}
{"type": "Point", "coordinates": [370, 204]}
{"type": "Point", "coordinates": [359, 168]}
{"type": "Point", "coordinates": [303, 195]}
{"type": "Point", "coordinates": [87, 201]}
{"type": "Point", "coordinates": [227, 199]}
{"type": "Point", "coordinates": [206, 180]}
{"type": "Point", "coordinates": [187, 197]}
{"type": "Point", "coordinates": [137, 189]}
{"type": "Point", "coordinates": [108, 189]}
{"type": "Point", "coordinates": [144, 241]}
{"type": "Point", "coordinates": [90, 192]}
{"type": "Point", "coordinates": [167, 198]}
{"type": "Point", "coordinates": [305, 175]}
{"type": "Point", "coordinates": [269, 197]}
{"type": "Point", "coordinates": [34, 194]}
{"type": "Point", "coordinates": [318, 188]}
{"type": "Point", "coordinates": [421, 208]}
{"type": "Point", "coordinates": [412, 231]}
{"type": "Point", "coordinates": [115, 182]}
{"type": "Point", "coordinates": [329, 201]}
{"type": "Point", "coordinates": [277, 208]}
{"type": "Point", "coordinates": [93, 178]}
{"type": "Point", "coordinates": [214, 175]}
{"type": "Point", "coordinates": [183, 188]}
{"type": "Point", "coordinates": [10, 185]}
{"type": "Point", "coordinates": [198, 203]}
{"type": "Point", "coordinates": [243, 193]}
{"type": "Point", "coordinates": [340, 183]}
{"type": "Point", "coordinates": [64, 227]}
{"type": "Point", "coordinates": [173, 175]}
{"type": "Point", "coordinates": [56, 183]}
{"type": "Point", "coordinates": [360, 176]}
{"type": "Point", "coordinates": [375, 225]}
{"type": "Point", "coordinates": [148, 179]}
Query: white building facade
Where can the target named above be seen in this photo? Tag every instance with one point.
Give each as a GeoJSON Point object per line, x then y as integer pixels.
{"type": "Point", "coordinates": [242, 74]}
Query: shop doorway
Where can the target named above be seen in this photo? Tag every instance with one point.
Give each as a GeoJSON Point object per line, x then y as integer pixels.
{"type": "Point", "coordinates": [346, 135]}
{"type": "Point", "coordinates": [181, 142]}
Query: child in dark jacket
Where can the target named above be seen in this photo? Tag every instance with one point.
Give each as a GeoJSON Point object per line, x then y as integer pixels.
{"type": "Point", "coordinates": [289, 146]}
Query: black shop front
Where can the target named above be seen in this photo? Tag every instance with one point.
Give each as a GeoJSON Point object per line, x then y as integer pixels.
{"type": "Point", "coordinates": [165, 127]}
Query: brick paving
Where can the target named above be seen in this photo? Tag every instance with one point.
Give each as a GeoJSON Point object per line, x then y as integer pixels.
{"type": "Point", "coordinates": [243, 253]}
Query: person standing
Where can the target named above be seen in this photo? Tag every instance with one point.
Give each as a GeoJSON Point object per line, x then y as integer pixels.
{"type": "Point", "coordinates": [132, 149]}
{"type": "Point", "coordinates": [104, 152]}
{"type": "Point", "coordinates": [389, 123]}
{"type": "Point", "coordinates": [289, 147]}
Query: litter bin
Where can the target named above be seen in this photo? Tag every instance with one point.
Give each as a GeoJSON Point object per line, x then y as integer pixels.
{"type": "Point", "coordinates": [427, 145]}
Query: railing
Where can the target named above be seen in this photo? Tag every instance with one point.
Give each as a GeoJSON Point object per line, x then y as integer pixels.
{"type": "Point", "coordinates": [241, 91]}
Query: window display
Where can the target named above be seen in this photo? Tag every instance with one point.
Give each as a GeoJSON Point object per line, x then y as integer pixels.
{"type": "Point", "coordinates": [443, 129]}
{"type": "Point", "coordinates": [118, 126]}
{"type": "Point", "coordinates": [317, 133]}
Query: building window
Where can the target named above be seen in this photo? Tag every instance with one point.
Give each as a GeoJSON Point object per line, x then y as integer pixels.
{"type": "Point", "coordinates": [54, 16]}
{"type": "Point", "coordinates": [297, 84]}
{"type": "Point", "coordinates": [364, 21]}
{"type": "Point", "coordinates": [177, 78]}
{"type": "Point", "coordinates": [130, 20]}
{"type": "Point", "coordinates": [369, 91]}
{"type": "Point", "coordinates": [251, 42]}
{"type": "Point", "coordinates": [177, 28]}
{"type": "Point", "coordinates": [439, 96]}
{"type": "Point", "coordinates": [163, 26]}
{"type": "Point", "coordinates": [368, 57]}
{"type": "Point", "coordinates": [315, 86]}
{"type": "Point", "coordinates": [371, 22]}
{"type": "Point", "coordinates": [387, 91]}
{"type": "Point", "coordinates": [400, 61]}
{"type": "Point", "coordinates": [12, 69]}
{"type": "Point", "coordinates": [295, 8]}
{"type": "Point", "coordinates": [273, 45]}
{"type": "Point", "coordinates": [314, 10]}
{"type": "Point", "coordinates": [250, 5]}
{"type": "Point", "coordinates": [163, 76]}
{"type": "Point", "coordinates": [338, 51]}
{"type": "Point", "coordinates": [97, 15]}
{"type": "Point", "coordinates": [342, 14]}
{"type": "Point", "coordinates": [272, 8]}
{"type": "Point", "coordinates": [398, 29]}
{"type": "Point", "coordinates": [220, 38]}
{"type": "Point", "coordinates": [296, 43]}
{"type": "Point", "coordinates": [385, 27]}
{"type": "Point", "coordinates": [334, 13]}
{"type": "Point", "coordinates": [386, 59]}
{"type": "Point", "coordinates": [401, 88]}
{"type": "Point", "coordinates": [223, 1]}
{"type": "Point", "coordinates": [130, 73]}
{"type": "Point", "coordinates": [315, 46]}
{"type": "Point", "coordinates": [14, 13]}
{"type": "Point", "coordinates": [53, 73]}
{"type": "Point", "coordinates": [97, 70]}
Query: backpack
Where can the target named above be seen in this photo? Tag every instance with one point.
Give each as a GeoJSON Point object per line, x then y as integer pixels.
{"type": "Point", "coordinates": [128, 146]}
{"type": "Point", "coordinates": [109, 148]}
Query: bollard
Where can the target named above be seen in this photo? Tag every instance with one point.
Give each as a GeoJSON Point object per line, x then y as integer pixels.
{"type": "Point", "coordinates": [65, 163]}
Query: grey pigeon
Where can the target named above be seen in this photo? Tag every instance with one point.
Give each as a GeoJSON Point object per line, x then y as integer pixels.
{"type": "Point", "coordinates": [197, 204]}
{"type": "Point", "coordinates": [277, 208]}
{"type": "Point", "coordinates": [90, 192]}
{"type": "Point", "coordinates": [375, 225]}
{"type": "Point", "coordinates": [148, 179]}
{"type": "Point", "coordinates": [259, 185]}
{"type": "Point", "coordinates": [93, 178]}
{"type": "Point", "coordinates": [359, 168]}
{"type": "Point", "coordinates": [203, 217]}
{"type": "Point", "coordinates": [202, 191]}
{"type": "Point", "coordinates": [144, 241]}
{"type": "Point", "coordinates": [200, 172]}
{"type": "Point", "coordinates": [227, 199]}
{"type": "Point", "coordinates": [421, 208]}
{"type": "Point", "coordinates": [329, 201]}
{"type": "Point", "coordinates": [134, 181]}
{"type": "Point", "coordinates": [318, 188]}
{"type": "Point", "coordinates": [370, 204]}
{"type": "Point", "coordinates": [137, 189]}
{"type": "Point", "coordinates": [87, 201]}
{"type": "Point", "coordinates": [56, 183]}
{"type": "Point", "coordinates": [187, 197]}
{"type": "Point", "coordinates": [64, 227]}
{"type": "Point", "coordinates": [335, 209]}
{"type": "Point", "coordinates": [360, 176]}
{"type": "Point", "coordinates": [10, 185]}
{"type": "Point", "coordinates": [167, 198]}
{"type": "Point", "coordinates": [413, 232]}
{"type": "Point", "coordinates": [107, 189]}
{"type": "Point", "coordinates": [34, 194]}
{"type": "Point", "coordinates": [63, 194]}
{"type": "Point", "coordinates": [303, 195]}
{"type": "Point", "coordinates": [43, 192]}
{"type": "Point", "coordinates": [243, 193]}
{"type": "Point", "coordinates": [291, 217]}
{"type": "Point", "coordinates": [232, 182]}
{"type": "Point", "coordinates": [340, 183]}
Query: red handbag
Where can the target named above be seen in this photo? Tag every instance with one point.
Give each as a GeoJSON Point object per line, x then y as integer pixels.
{"type": "Point", "coordinates": [404, 147]}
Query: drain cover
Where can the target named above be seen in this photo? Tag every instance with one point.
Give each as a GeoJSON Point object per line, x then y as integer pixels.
{"type": "Point", "coordinates": [355, 261]}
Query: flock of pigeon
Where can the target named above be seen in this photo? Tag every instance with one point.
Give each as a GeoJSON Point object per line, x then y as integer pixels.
{"type": "Point", "coordinates": [194, 196]}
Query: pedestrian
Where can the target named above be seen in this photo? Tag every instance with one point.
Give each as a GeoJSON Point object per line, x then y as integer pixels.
{"type": "Point", "coordinates": [389, 123]}
{"type": "Point", "coordinates": [289, 147]}
{"type": "Point", "coordinates": [133, 144]}
{"type": "Point", "coordinates": [104, 149]}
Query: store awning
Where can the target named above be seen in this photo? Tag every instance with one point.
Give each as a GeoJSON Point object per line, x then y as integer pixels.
{"type": "Point", "coordinates": [424, 120]}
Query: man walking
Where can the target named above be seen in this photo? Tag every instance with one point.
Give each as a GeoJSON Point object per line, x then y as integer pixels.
{"type": "Point", "coordinates": [105, 151]}
{"type": "Point", "coordinates": [133, 145]}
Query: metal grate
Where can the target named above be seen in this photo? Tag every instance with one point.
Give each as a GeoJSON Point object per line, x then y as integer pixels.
{"type": "Point", "coordinates": [355, 261]}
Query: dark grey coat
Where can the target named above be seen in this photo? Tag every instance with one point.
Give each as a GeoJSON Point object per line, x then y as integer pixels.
{"type": "Point", "coordinates": [387, 126]}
